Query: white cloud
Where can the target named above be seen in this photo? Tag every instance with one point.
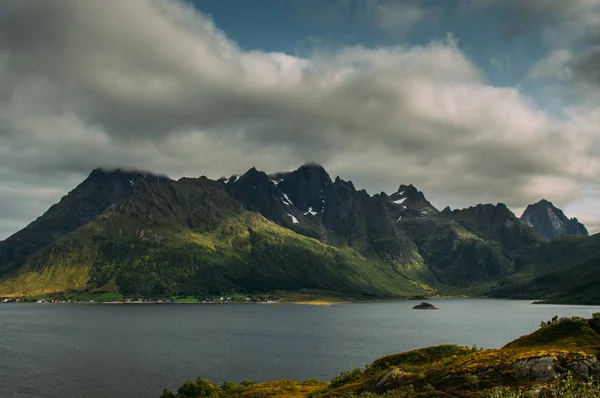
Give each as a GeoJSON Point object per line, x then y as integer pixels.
{"type": "Point", "coordinates": [554, 66]}
{"type": "Point", "coordinates": [399, 18]}
{"type": "Point", "coordinates": [153, 84]}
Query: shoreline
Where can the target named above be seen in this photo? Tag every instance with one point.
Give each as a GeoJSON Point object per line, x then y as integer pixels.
{"type": "Point", "coordinates": [313, 301]}
{"type": "Point", "coordinates": [316, 302]}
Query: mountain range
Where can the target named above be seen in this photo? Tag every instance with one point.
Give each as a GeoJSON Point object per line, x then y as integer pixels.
{"type": "Point", "coordinates": [142, 234]}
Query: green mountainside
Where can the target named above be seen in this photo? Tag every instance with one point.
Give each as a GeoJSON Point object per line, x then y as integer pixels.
{"type": "Point", "coordinates": [138, 234]}
{"type": "Point", "coordinates": [189, 237]}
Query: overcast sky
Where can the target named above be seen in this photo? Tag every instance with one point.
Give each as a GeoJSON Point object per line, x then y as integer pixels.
{"type": "Point", "coordinates": [471, 101]}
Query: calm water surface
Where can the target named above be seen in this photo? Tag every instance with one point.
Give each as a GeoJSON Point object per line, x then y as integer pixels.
{"type": "Point", "coordinates": [137, 350]}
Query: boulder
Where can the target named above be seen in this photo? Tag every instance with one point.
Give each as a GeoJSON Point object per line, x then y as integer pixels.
{"type": "Point", "coordinates": [393, 375]}
{"type": "Point", "coordinates": [539, 369]}
{"type": "Point", "coordinates": [585, 367]}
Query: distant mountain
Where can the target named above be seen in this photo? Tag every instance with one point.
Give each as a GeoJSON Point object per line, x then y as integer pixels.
{"type": "Point", "coordinates": [141, 234]}
{"type": "Point", "coordinates": [148, 236]}
{"type": "Point", "coordinates": [101, 190]}
{"type": "Point", "coordinates": [550, 222]}
{"type": "Point", "coordinates": [496, 223]}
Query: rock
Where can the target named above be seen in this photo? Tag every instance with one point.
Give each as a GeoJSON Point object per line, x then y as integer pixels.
{"type": "Point", "coordinates": [424, 306]}
{"type": "Point", "coordinates": [538, 369]}
{"type": "Point", "coordinates": [585, 367]}
{"type": "Point", "coordinates": [392, 375]}
{"type": "Point", "coordinates": [550, 222]}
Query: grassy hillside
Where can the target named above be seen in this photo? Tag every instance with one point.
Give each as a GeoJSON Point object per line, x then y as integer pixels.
{"type": "Point", "coordinates": [554, 361]}
{"type": "Point", "coordinates": [190, 238]}
{"type": "Point", "coordinates": [566, 270]}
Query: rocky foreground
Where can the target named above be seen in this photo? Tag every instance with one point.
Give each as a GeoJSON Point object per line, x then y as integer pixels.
{"type": "Point", "coordinates": [558, 360]}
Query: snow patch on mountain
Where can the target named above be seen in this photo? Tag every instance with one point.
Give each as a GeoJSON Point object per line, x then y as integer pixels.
{"type": "Point", "coordinates": [286, 200]}
{"type": "Point", "coordinates": [311, 212]}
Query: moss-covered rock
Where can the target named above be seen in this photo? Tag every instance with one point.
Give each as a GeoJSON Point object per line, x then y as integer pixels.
{"type": "Point", "coordinates": [424, 306]}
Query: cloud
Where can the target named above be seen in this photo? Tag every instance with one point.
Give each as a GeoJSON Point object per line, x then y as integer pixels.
{"type": "Point", "coordinates": [554, 66]}
{"type": "Point", "coordinates": [399, 18]}
{"type": "Point", "coordinates": [154, 84]}
{"type": "Point", "coordinates": [587, 67]}
{"type": "Point", "coordinates": [561, 22]}
{"type": "Point", "coordinates": [395, 18]}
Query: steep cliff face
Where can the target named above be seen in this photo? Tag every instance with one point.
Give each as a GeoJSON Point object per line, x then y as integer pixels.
{"type": "Point", "coordinates": [496, 223]}
{"type": "Point", "coordinates": [550, 222]}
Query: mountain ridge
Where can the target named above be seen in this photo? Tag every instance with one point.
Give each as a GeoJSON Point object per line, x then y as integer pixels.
{"type": "Point", "coordinates": [382, 245]}
{"type": "Point", "coordinates": [550, 222]}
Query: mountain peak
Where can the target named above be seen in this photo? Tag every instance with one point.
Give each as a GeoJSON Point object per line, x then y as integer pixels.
{"type": "Point", "coordinates": [101, 173]}
{"type": "Point", "coordinates": [550, 222]}
{"type": "Point", "coordinates": [409, 192]}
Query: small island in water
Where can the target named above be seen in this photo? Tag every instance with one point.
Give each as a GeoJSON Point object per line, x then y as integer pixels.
{"type": "Point", "coordinates": [558, 360]}
{"type": "Point", "coordinates": [424, 306]}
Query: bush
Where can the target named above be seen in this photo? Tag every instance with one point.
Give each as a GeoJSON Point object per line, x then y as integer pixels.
{"type": "Point", "coordinates": [231, 387]}
{"type": "Point", "coordinates": [167, 393]}
{"type": "Point", "coordinates": [596, 315]}
{"type": "Point", "coordinates": [346, 377]}
{"type": "Point", "coordinates": [550, 322]}
{"type": "Point", "coordinates": [471, 381]}
{"type": "Point", "coordinates": [199, 388]}
{"type": "Point", "coordinates": [556, 319]}
{"type": "Point", "coordinates": [566, 388]}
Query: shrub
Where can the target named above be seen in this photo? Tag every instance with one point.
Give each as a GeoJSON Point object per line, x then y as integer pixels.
{"type": "Point", "coordinates": [556, 319]}
{"type": "Point", "coordinates": [471, 381]}
{"type": "Point", "coordinates": [346, 377]}
{"type": "Point", "coordinates": [550, 322]}
{"type": "Point", "coordinates": [231, 387]}
{"type": "Point", "coordinates": [167, 393]}
{"type": "Point", "coordinates": [199, 388]}
{"type": "Point", "coordinates": [565, 388]}
{"type": "Point", "coordinates": [571, 388]}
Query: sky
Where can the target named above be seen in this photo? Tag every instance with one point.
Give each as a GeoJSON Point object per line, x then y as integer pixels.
{"type": "Point", "coordinates": [473, 102]}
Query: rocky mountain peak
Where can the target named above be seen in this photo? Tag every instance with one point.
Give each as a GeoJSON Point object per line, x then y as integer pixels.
{"type": "Point", "coordinates": [344, 183]}
{"type": "Point", "coordinates": [408, 193]}
{"type": "Point", "coordinates": [550, 222]}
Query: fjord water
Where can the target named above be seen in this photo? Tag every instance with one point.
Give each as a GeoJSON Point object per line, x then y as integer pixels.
{"type": "Point", "coordinates": [137, 350]}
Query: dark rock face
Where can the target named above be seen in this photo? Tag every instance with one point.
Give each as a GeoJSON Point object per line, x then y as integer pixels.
{"type": "Point", "coordinates": [305, 187]}
{"type": "Point", "coordinates": [309, 202]}
{"type": "Point", "coordinates": [585, 367]}
{"type": "Point", "coordinates": [497, 223]}
{"type": "Point", "coordinates": [261, 194]}
{"type": "Point", "coordinates": [101, 190]}
{"type": "Point", "coordinates": [538, 369]}
{"type": "Point", "coordinates": [550, 222]}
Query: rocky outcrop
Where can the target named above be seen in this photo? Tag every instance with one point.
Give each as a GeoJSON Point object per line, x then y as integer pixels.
{"type": "Point", "coordinates": [497, 223]}
{"type": "Point", "coordinates": [393, 375]}
{"type": "Point", "coordinates": [538, 369]}
{"type": "Point", "coordinates": [550, 222]}
{"type": "Point", "coordinates": [585, 367]}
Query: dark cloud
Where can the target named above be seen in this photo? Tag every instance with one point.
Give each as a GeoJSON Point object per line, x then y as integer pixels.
{"type": "Point", "coordinates": [559, 21]}
{"type": "Point", "coordinates": [587, 67]}
{"type": "Point", "coordinates": [155, 85]}
{"type": "Point", "coordinates": [392, 17]}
